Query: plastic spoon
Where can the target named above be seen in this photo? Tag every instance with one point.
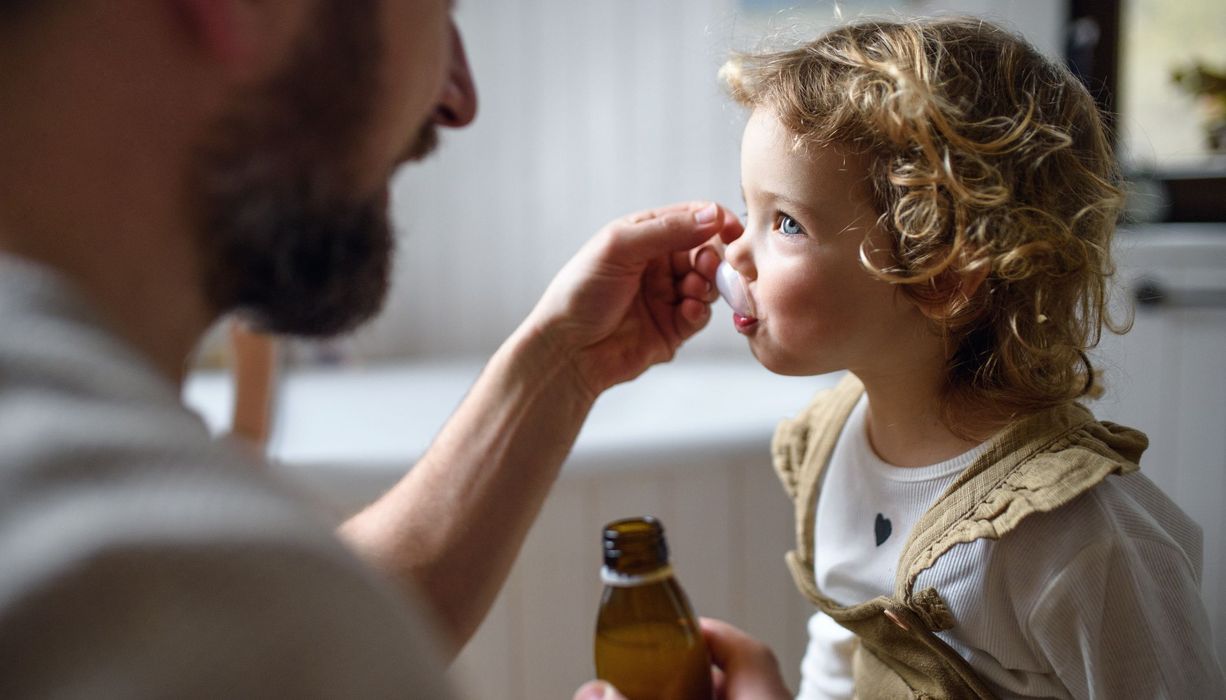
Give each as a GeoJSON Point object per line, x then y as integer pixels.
{"type": "Point", "coordinates": [732, 288]}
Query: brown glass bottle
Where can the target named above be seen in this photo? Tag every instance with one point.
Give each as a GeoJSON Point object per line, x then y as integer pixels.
{"type": "Point", "coordinates": [648, 643]}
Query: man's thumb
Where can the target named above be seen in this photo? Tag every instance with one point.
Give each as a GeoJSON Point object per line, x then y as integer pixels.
{"type": "Point", "coordinates": [598, 690]}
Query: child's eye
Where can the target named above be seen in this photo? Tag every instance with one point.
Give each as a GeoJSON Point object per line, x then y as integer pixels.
{"type": "Point", "coordinates": [789, 226]}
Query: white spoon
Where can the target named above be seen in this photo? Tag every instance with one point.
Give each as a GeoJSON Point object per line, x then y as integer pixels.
{"type": "Point", "coordinates": [732, 289]}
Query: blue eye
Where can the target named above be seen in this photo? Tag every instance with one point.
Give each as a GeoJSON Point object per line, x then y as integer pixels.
{"type": "Point", "coordinates": [788, 226]}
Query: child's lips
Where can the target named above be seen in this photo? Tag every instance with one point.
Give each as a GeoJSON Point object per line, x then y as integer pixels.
{"type": "Point", "coordinates": [743, 323]}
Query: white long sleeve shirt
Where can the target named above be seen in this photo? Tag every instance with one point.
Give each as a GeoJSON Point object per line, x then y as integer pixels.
{"type": "Point", "coordinates": [1097, 599]}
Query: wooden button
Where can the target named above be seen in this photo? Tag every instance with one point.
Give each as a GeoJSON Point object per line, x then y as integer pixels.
{"type": "Point", "coordinates": [897, 620]}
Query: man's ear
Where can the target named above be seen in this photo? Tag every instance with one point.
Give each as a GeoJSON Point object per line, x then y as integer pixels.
{"type": "Point", "coordinates": [246, 36]}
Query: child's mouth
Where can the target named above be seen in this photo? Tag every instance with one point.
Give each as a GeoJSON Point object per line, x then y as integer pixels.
{"type": "Point", "coordinates": [743, 323]}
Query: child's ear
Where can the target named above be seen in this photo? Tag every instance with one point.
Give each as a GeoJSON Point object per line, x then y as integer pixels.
{"type": "Point", "coordinates": [972, 277]}
{"type": "Point", "coordinates": [952, 291]}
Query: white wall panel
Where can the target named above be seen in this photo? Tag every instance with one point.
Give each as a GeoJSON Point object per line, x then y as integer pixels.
{"type": "Point", "coordinates": [588, 111]}
{"type": "Point", "coordinates": [1201, 436]}
{"type": "Point", "coordinates": [1167, 377]}
{"type": "Point", "coordinates": [559, 585]}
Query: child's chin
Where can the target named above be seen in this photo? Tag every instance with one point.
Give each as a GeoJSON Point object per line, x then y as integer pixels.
{"type": "Point", "coordinates": [787, 366]}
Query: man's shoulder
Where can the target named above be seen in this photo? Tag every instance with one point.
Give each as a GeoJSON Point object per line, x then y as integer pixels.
{"type": "Point", "coordinates": [191, 571]}
{"type": "Point", "coordinates": [78, 406]}
{"type": "Point", "coordinates": [79, 492]}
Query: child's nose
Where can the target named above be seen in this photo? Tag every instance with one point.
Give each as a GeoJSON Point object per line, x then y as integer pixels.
{"type": "Point", "coordinates": [739, 254]}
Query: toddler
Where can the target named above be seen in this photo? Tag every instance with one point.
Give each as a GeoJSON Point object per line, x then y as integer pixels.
{"type": "Point", "coordinates": [930, 207]}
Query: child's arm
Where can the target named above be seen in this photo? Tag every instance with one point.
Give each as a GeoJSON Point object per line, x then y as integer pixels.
{"type": "Point", "coordinates": [825, 672]}
{"type": "Point", "coordinates": [1124, 618]}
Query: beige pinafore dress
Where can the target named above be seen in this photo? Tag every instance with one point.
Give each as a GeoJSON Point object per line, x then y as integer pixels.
{"type": "Point", "coordinates": [1034, 466]}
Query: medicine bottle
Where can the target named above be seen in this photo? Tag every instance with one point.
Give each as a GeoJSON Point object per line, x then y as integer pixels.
{"type": "Point", "coordinates": [648, 642]}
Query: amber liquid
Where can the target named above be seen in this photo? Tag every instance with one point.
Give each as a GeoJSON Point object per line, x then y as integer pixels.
{"type": "Point", "coordinates": [649, 646]}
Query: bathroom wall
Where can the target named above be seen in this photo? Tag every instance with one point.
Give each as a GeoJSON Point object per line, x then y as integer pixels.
{"type": "Point", "coordinates": [1167, 377]}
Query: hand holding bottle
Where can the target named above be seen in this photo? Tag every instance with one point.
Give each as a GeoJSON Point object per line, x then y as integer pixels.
{"type": "Point", "coordinates": [745, 668]}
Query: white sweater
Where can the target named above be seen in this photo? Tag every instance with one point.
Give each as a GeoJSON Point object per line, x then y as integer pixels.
{"type": "Point", "coordinates": [141, 559]}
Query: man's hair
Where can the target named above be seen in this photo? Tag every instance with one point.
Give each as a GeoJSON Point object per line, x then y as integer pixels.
{"type": "Point", "coordinates": [986, 159]}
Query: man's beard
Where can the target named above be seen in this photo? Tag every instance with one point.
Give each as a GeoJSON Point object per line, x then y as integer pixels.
{"type": "Point", "coordinates": [286, 239]}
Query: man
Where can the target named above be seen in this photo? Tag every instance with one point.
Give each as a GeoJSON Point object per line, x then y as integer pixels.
{"type": "Point", "coordinates": [167, 162]}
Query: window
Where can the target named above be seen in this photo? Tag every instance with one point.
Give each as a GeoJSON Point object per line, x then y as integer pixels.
{"type": "Point", "coordinates": [1127, 51]}
{"type": "Point", "coordinates": [1173, 84]}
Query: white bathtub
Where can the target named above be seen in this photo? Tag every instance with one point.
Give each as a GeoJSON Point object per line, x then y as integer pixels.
{"type": "Point", "coordinates": [370, 423]}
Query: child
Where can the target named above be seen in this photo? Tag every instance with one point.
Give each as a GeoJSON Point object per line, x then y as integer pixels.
{"type": "Point", "coordinates": [930, 206]}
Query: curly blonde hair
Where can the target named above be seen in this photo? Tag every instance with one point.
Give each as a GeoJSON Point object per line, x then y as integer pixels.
{"type": "Point", "coordinates": [989, 162]}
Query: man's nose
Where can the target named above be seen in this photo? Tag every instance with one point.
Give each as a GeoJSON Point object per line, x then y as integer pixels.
{"type": "Point", "coordinates": [457, 105]}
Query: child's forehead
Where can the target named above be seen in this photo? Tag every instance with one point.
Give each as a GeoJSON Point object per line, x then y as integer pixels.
{"type": "Point", "coordinates": [776, 160]}
{"type": "Point", "coordinates": [764, 131]}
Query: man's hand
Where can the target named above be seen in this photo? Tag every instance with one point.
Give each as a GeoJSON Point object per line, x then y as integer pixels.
{"type": "Point", "coordinates": [450, 529]}
{"type": "Point", "coordinates": [745, 668]}
{"type": "Point", "coordinates": [597, 690]}
{"type": "Point", "coordinates": [634, 293]}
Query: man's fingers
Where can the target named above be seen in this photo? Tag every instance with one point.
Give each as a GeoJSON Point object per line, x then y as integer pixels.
{"type": "Point", "coordinates": [723, 640]}
{"type": "Point", "coordinates": [749, 666]}
{"type": "Point", "coordinates": [647, 215]}
{"type": "Point", "coordinates": [696, 286]}
{"type": "Point", "coordinates": [731, 228]}
{"type": "Point", "coordinates": [681, 263]}
{"type": "Point", "coordinates": [597, 690]}
{"type": "Point", "coordinates": [666, 230]}
{"type": "Point", "coordinates": [692, 316]}
{"type": "Point", "coordinates": [705, 262]}
{"type": "Point", "coordinates": [719, 684]}
{"type": "Point", "coordinates": [730, 646]}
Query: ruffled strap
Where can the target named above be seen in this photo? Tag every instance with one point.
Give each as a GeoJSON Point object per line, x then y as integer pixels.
{"type": "Point", "coordinates": [800, 450]}
{"type": "Point", "coordinates": [1034, 466]}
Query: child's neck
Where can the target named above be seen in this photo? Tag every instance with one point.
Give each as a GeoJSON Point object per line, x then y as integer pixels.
{"type": "Point", "coordinates": [904, 421]}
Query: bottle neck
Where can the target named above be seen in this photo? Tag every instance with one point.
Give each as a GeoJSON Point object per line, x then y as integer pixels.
{"type": "Point", "coordinates": [621, 579]}
{"type": "Point", "coordinates": [635, 547]}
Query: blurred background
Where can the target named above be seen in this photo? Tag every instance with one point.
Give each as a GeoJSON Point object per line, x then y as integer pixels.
{"type": "Point", "coordinates": [589, 110]}
{"type": "Point", "coordinates": [593, 109]}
